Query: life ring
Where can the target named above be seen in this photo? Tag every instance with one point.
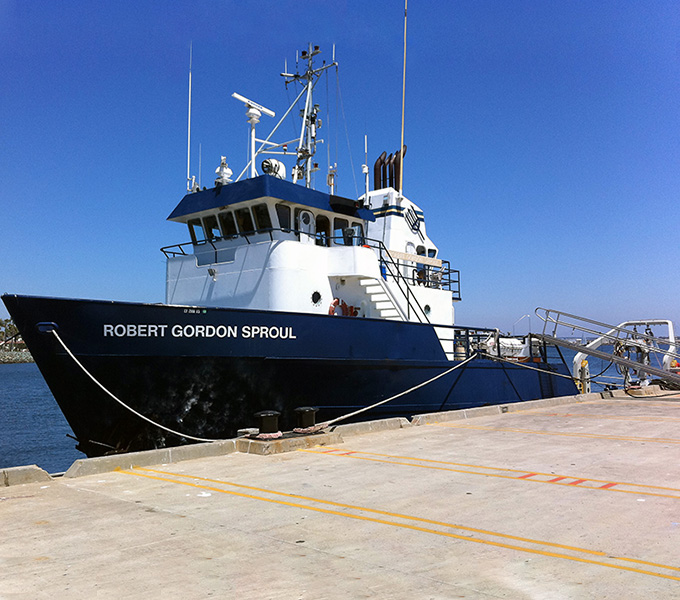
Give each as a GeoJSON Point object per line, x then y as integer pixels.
{"type": "Point", "coordinates": [334, 304]}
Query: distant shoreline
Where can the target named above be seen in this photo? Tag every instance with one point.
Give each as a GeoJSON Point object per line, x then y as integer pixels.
{"type": "Point", "coordinates": [13, 358]}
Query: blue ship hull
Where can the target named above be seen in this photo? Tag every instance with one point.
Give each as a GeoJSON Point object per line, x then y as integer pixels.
{"type": "Point", "coordinates": [204, 372]}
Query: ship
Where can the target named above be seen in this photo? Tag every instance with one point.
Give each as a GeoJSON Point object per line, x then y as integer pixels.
{"type": "Point", "coordinates": [283, 297]}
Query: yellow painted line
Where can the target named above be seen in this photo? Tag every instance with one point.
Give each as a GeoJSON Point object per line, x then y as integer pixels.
{"type": "Point", "coordinates": [581, 435]}
{"type": "Point", "coordinates": [156, 476]}
{"type": "Point", "coordinates": [616, 417]}
{"type": "Point", "coordinates": [439, 466]}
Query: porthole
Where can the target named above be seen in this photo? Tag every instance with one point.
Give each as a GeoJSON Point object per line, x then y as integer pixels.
{"type": "Point", "coordinates": [316, 298]}
{"type": "Point", "coordinates": [427, 309]}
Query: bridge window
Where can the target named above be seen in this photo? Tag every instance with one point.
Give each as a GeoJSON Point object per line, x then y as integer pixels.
{"type": "Point", "coordinates": [323, 231]}
{"type": "Point", "coordinates": [210, 227]}
{"type": "Point", "coordinates": [244, 220]}
{"type": "Point", "coordinates": [228, 224]}
{"type": "Point", "coordinates": [283, 213]}
{"type": "Point", "coordinates": [339, 226]}
{"type": "Point", "coordinates": [262, 218]}
{"type": "Point", "coordinates": [358, 233]}
{"type": "Point", "coordinates": [196, 231]}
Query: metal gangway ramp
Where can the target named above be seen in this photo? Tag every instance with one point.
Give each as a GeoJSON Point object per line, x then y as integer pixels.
{"type": "Point", "coordinates": [624, 335]}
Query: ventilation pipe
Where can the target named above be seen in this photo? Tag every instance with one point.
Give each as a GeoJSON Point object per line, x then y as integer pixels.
{"type": "Point", "coordinates": [389, 171]}
{"type": "Point", "coordinates": [398, 159]}
{"type": "Point", "coordinates": [377, 172]}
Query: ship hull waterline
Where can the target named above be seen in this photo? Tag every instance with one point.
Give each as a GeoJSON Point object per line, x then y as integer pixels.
{"type": "Point", "coordinates": [205, 372]}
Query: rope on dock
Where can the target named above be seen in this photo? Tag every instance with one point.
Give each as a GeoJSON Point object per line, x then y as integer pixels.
{"type": "Point", "coordinates": [132, 410]}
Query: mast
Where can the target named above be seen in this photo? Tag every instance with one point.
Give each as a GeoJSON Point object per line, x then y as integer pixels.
{"type": "Point", "coordinates": [189, 181]}
{"type": "Point", "coordinates": [403, 106]}
{"type": "Point", "coordinates": [306, 149]}
{"type": "Point", "coordinates": [306, 143]}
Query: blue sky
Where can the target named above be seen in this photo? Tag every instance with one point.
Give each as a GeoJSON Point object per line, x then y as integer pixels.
{"type": "Point", "coordinates": [543, 138]}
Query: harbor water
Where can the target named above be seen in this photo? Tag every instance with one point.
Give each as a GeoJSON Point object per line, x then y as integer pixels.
{"type": "Point", "coordinates": [36, 432]}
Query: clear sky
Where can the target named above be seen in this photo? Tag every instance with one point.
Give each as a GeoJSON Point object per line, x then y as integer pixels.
{"type": "Point", "coordinates": [543, 138]}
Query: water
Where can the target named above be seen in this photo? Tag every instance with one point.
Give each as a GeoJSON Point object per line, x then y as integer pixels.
{"type": "Point", "coordinates": [596, 365]}
{"type": "Point", "coordinates": [34, 430]}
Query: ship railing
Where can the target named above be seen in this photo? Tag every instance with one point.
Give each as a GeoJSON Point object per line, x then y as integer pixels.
{"type": "Point", "coordinates": [197, 247]}
{"type": "Point", "coordinates": [462, 342]}
{"type": "Point", "coordinates": [412, 268]}
{"type": "Point", "coordinates": [204, 256]}
{"type": "Point", "coordinates": [410, 271]}
{"type": "Point", "coordinates": [414, 271]}
{"type": "Point", "coordinates": [391, 270]}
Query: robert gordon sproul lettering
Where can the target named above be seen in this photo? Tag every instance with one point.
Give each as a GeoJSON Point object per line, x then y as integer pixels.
{"type": "Point", "coordinates": [198, 331]}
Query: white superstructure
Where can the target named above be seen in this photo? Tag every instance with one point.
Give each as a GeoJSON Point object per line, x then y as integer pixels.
{"type": "Point", "coordinates": [270, 244]}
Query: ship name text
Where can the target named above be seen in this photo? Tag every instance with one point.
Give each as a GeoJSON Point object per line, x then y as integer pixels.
{"type": "Point", "coordinates": [198, 331]}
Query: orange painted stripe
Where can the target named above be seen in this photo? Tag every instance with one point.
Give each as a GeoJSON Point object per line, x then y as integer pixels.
{"type": "Point", "coordinates": [441, 465]}
{"type": "Point", "coordinates": [408, 526]}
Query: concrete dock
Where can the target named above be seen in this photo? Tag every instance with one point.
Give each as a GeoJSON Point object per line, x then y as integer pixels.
{"type": "Point", "coordinates": [566, 498]}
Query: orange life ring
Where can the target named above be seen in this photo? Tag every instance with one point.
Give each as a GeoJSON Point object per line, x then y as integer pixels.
{"type": "Point", "coordinates": [334, 304]}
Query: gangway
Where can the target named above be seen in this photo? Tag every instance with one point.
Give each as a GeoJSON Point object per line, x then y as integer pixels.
{"type": "Point", "coordinates": [624, 339]}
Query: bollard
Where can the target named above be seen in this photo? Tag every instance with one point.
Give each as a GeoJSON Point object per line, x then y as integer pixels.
{"type": "Point", "coordinates": [305, 417]}
{"type": "Point", "coordinates": [269, 421]}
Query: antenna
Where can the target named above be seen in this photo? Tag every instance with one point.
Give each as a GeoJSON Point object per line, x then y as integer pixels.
{"type": "Point", "coordinates": [189, 186]}
{"type": "Point", "coordinates": [253, 113]}
{"type": "Point", "coordinates": [364, 170]}
{"type": "Point", "coordinates": [403, 104]}
{"type": "Point", "coordinates": [251, 104]}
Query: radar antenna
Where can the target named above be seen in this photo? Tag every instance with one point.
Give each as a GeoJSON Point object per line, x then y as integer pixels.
{"type": "Point", "coordinates": [254, 112]}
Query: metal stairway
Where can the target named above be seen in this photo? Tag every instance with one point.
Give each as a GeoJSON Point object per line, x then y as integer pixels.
{"type": "Point", "coordinates": [381, 299]}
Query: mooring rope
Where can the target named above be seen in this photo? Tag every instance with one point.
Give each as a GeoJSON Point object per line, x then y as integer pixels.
{"type": "Point", "coordinates": [520, 364]}
{"type": "Point", "coordinates": [592, 380]}
{"type": "Point", "coordinates": [326, 424]}
{"type": "Point", "coordinates": [132, 410]}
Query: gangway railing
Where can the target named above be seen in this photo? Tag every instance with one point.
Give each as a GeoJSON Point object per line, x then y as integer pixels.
{"type": "Point", "coordinates": [625, 362]}
{"type": "Point", "coordinates": [622, 337]}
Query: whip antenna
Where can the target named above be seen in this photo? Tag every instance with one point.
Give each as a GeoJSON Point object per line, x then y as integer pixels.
{"type": "Point", "coordinates": [189, 182]}
{"type": "Point", "coordinates": [403, 104]}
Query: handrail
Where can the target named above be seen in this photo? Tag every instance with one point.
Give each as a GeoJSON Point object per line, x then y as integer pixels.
{"type": "Point", "coordinates": [620, 336]}
{"type": "Point", "coordinates": [399, 279]}
{"type": "Point", "coordinates": [611, 329]}
{"type": "Point", "coordinates": [443, 279]}
{"type": "Point", "coordinates": [612, 357]}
